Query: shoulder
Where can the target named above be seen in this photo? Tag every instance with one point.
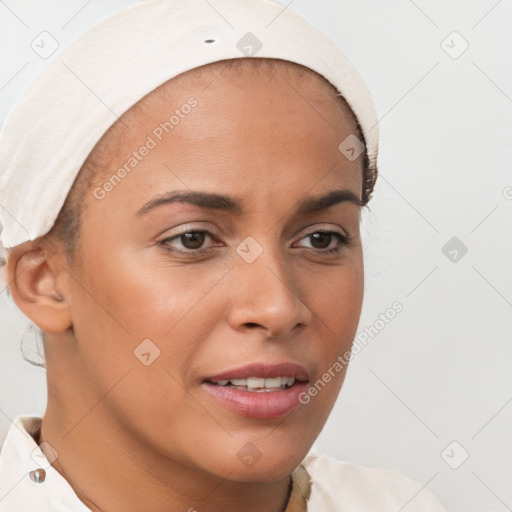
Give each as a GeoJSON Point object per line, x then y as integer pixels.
{"type": "Point", "coordinates": [340, 485]}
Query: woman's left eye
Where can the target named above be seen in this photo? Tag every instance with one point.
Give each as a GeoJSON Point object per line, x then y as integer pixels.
{"type": "Point", "coordinates": [322, 240]}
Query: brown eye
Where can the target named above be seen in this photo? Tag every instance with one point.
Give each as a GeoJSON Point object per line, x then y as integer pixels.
{"type": "Point", "coordinates": [192, 240]}
{"type": "Point", "coordinates": [320, 240]}
{"type": "Point", "coordinates": [326, 242]}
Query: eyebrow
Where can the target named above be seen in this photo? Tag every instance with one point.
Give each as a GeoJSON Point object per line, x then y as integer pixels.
{"type": "Point", "coordinates": [202, 199]}
{"type": "Point", "coordinates": [226, 203]}
{"type": "Point", "coordinates": [318, 203]}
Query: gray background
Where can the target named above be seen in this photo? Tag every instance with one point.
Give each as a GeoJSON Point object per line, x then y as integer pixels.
{"type": "Point", "coordinates": [434, 385]}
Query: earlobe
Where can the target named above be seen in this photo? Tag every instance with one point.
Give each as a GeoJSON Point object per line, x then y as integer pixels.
{"type": "Point", "coordinates": [35, 280]}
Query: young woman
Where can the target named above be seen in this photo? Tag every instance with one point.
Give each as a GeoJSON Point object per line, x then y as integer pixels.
{"type": "Point", "coordinates": [182, 190]}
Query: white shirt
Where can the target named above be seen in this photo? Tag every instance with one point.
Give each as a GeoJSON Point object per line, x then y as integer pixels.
{"type": "Point", "coordinates": [336, 486]}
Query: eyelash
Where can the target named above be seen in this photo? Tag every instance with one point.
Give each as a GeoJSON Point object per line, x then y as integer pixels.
{"type": "Point", "coordinates": [344, 241]}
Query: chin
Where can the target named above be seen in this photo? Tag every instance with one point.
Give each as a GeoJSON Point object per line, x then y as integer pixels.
{"type": "Point", "coordinates": [251, 461]}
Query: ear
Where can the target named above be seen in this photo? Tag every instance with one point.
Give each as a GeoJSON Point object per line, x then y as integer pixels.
{"type": "Point", "coordinates": [38, 281]}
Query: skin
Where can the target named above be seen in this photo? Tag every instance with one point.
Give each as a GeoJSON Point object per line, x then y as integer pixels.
{"type": "Point", "coordinates": [134, 437]}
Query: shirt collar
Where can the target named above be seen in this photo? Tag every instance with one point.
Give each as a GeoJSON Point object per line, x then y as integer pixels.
{"type": "Point", "coordinates": [20, 456]}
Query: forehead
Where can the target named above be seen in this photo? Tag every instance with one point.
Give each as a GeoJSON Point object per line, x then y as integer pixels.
{"type": "Point", "coordinates": [249, 126]}
{"type": "Point", "coordinates": [252, 78]}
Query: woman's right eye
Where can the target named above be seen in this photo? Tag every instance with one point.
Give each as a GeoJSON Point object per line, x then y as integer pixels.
{"type": "Point", "coordinates": [190, 241]}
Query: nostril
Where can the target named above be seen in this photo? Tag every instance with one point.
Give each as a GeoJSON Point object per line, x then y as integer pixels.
{"type": "Point", "coordinates": [251, 324]}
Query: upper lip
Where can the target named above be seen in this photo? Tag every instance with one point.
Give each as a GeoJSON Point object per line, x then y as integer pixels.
{"type": "Point", "coordinates": [265, 371]}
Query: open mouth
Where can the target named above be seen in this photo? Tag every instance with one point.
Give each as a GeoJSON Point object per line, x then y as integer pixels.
{"type": "Point", "coordinates": [257, 384]}
{"type": "Point", "coordinates": [259, 390]}
{"type": "Point", "coordinates": [258, 397]}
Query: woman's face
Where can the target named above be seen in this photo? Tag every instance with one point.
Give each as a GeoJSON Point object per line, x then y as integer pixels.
{"type": "Point", "coordinates": [171, 297]}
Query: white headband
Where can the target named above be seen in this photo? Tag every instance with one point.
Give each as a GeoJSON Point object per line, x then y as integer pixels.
{"type": "Point", "coordinates": [84, 89]}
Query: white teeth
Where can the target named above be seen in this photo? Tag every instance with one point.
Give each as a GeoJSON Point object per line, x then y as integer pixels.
{"type": "Point", "coordinates": [275, 382]}
{"type": "Point", "coordinates": [238, 382]}
{"type": "Point", "coordinates": [259, 384]}
{"type": "Point", "coordinates": [254, 382]}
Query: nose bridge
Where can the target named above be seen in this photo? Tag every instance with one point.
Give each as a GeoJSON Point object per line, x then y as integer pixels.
{"type": "Point", "coordinates": [265, 292]}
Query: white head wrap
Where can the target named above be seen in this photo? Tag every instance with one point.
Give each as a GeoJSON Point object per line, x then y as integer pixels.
{"type": "Point", "coordinates": [86, 87]}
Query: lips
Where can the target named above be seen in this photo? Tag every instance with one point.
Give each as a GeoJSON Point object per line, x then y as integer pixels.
{"type": "Point", "coordinates": [259, 390]}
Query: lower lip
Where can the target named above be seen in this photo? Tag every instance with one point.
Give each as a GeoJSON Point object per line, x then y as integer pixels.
{"type": "Point", "coordinates": [267, 404]}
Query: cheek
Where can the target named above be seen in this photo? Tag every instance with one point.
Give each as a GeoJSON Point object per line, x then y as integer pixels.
{"type": "Point", "coordinates": [336, 297]}
{"type": "Point", "coordinates": [340, 298]}
{"type": "Point", "coordinates": [336, 300]}
{"type": "Point", "coordinates": [138, 330]}
{"type": "Point", "coordinates": [130, 308]}
{"type": "Point", "coordinates": [141, 302]}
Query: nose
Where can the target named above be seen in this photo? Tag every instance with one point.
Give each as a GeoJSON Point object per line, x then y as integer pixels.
{"type": "Point", "coordinates": [266, 296]}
